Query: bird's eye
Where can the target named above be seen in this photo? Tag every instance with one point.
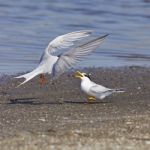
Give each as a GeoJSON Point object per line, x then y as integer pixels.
{"type": "Point", "coordinates": [88, 75]}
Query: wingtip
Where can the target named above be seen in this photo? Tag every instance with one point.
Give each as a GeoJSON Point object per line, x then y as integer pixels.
{"type": "Point", "coordinates": [104, 36]}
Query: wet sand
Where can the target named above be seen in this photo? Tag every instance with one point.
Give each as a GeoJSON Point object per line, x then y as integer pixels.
{"type": "Point", "coordinates": [57, 116]}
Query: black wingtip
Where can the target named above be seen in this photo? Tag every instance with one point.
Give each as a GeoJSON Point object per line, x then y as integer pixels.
{"type": "Point", "coordinates": [104, 36]}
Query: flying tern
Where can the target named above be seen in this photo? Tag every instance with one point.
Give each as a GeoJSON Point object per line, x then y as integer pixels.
{"type": "Point", "coordinates": [94, 90]}
{"type": "Point", "coordinates": [57, 65]}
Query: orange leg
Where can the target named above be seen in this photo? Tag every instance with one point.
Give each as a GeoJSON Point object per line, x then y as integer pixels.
{"type": "Point", "coordinates": [42, 79]}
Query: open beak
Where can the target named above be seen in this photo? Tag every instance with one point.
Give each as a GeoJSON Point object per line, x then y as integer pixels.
{"type": "Point", "coordinates": [78, 74]}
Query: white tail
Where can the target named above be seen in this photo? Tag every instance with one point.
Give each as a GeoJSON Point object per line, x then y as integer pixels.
{"type": "Point", "coordinates": [29, 76]}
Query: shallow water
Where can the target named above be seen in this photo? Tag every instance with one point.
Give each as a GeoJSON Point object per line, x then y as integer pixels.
{"type": "Point", "coordinates": [26, 27]}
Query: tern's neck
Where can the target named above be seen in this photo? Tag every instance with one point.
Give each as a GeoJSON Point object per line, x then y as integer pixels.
{"type": "Point", "coordinates": [86, 79]}
{"type": "Point", "coordinates": [85, 84]}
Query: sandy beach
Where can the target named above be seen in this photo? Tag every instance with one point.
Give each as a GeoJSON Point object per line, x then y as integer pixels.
{"type": "Point", "coordinates": [57, 115]}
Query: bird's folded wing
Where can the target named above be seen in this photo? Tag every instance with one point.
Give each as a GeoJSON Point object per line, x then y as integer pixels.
{"type": "Point", "coordinates": [69, 58]}
{"type": "Point", "coordinates": [99, 89]}
{"type": "Point", "coordinates": [66, 40]}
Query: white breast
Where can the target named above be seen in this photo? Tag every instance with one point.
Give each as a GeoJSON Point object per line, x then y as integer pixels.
{"type": "Point", "coordinates": [86, 85]}
{"type": "Point", "coordinates": [47, 62]}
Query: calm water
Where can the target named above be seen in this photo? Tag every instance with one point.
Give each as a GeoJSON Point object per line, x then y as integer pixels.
{"type": "Point", "coordinates": [27, 26]}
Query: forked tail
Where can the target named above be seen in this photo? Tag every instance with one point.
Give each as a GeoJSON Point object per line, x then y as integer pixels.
{"type": "Point", "coordinates": [28, 76]}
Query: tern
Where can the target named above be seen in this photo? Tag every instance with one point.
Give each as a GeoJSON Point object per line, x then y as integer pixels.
{"type": "Point", "coordinates": [94, 90]}
{"type": "Point", "coordinates": [57, 65]}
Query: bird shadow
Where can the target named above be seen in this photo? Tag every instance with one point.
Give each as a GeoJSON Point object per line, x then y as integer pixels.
{"type": "Point", "coordinates": [85, 102]}
{"type": "Point", "coordinates": [30, 101]}
{"type": "Point", "coordinates": [33, 101]}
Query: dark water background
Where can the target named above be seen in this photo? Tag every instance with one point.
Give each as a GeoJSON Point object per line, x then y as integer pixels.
{"type": "Point", "coordinates": [27, 26]}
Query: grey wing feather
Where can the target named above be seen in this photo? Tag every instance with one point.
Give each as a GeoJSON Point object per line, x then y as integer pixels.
{"type": "Point", "coordinates": [100, 91]}
{"type": "Point", "coordinates": [66, 40]}
{"type": "Point", "coordinates": [69, 58]}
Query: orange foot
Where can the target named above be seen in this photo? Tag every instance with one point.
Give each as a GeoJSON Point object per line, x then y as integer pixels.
{"type": "Point", "coordinates": [42, 79]}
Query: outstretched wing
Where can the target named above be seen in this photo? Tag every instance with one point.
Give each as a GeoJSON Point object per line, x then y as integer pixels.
{"type": "Point", "coordinates": [66, 40]}
{"type": "Point", "coordinates": [69, 58]}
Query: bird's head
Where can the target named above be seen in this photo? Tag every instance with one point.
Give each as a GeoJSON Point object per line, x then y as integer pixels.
{"type": "Point", "coordinates": [82, 75]}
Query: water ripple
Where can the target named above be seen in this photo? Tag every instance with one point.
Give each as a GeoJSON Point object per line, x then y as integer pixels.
{"type": "Point", "coordinates": [26, 27]}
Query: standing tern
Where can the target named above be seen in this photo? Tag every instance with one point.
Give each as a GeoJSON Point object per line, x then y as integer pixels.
{"type": "Point", "coordinates": [94, 90]}
{"type": "Point", "coordinates": [56, 65]}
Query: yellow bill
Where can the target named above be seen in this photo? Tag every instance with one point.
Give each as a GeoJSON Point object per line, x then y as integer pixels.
{"type": "Point", "coordinates": [78, 74]}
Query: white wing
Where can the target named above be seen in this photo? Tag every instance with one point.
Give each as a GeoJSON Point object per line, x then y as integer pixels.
{"type": "Point", "coordinates": [69, 58]}
{"type": "Point", "coordinates": [66, 40]}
